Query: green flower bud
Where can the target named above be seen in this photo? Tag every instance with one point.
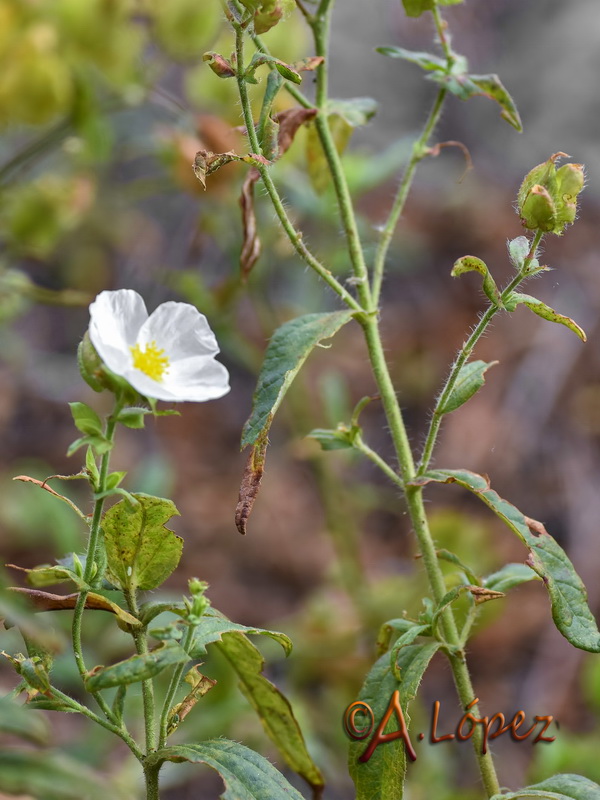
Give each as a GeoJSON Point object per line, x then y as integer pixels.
{"type": "Point", "coordinates": [547, 199]}
{"type": "Point", "coordinates": [97, 375]}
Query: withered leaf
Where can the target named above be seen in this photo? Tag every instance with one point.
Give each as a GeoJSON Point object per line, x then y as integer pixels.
{"type": "Point", "coordinates": [255, 467]}
{"type": "Point", "coordinates": [290, 121]}
{"type": "Point", "coordinates": [46, 601]}
{"type": "Point", "coordinates": [251, 244]}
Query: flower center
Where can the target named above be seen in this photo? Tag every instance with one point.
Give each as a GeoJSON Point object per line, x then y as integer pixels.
{"type": "Point", "coordinates": [150, 361]}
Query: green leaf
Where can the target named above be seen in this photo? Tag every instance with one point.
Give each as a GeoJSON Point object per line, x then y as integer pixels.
{"type": "Point", "coordinates": [339, 439]}
{"type": "Point", "coordinates": [114, 479]}
{"type": "Point", "coordinates": [518, 250]}
{"type": "Point", "coordinates": [100, 444]}
{"type": "Point", "coordinates": [382, 776]}
{"type": "Point", "coordinates": [86, 420]}
{"type": "Point", "coordinates": [288, 349]}
{"type": "Point", "coordinates": [559, 787]}
{"type": "Point", "coordinates": [137, 668]}
{"type": "Point", "coordinates": [133, 417]}
{"type": "Point", "coordinates": [214, 625]}
{"type": "Point", "coordinates": [452, 558]}
{"type": "Point", "coordinates": [465, 86]}
{"type": "Point", "coordinates": [355, 112]}
{"type": "Point", "coordinates": [246, 774]}
{"type": "Point", "coordinates": [272, 707]}
{"type": "Point", "coordinates": [469, 380]}
{"type": "Point", "coordinates": [285, 70]}
{"type": "Point", "coordinates": [141, 552]}
{"type": "Point", "coordinates": [388, 629]}
{"type": "Point", "coordinates": [425, 60]}
{"type": "Point", "coordinates": [414, 8]}
{"type": "Point", "coordinates": [474, 264]}
{"type": "Point", "coordinates": [49, 575]}
{"type": "Point", "coordinates": [92, 468]}
{"type": "Point", "coordinates": [509, 576]}
{"type": "Point", "coordinates": [544, 311]}
{"type": "Point", "coordinates": [19, 720]}
{"type": "Point", "coordinates": [49, 776]}
{"type": "Point", "coordinates": [568, 595]}
{"type": "Point", "coordinates": [408, 637]}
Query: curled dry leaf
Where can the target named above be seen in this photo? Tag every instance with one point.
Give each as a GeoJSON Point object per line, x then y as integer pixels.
{"type": "Point", "coordinates": [46, 601]}
{"type": "Point", "coordinates": [253, 473]}
{"type": "Point", "coordinates": [436, 149]}
{"type": "Point", "coordinates": [251, 244]}
{"type": "Point", "coordinates": [290, 121]}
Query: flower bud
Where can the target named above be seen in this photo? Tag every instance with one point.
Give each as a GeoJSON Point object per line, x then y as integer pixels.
{"type": "Point", "coordinates": [219, 65]}
{"type": "Point", "coordinates": [97, 375]}
{"type": "Point", "coordinates": [547, 199]}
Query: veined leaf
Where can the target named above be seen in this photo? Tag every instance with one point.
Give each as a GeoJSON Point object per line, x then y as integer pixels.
{"type": "Point", "coordinates": [288, 349]}
{"type": "Point", "coordinates": [568, 595]}
{"type": "Point", "coordinates": [214, 625]}
{"type": "Point", "coordinates": [544, 311]}
{"type": "Point", "coordinates": [137, 668]}
{"type": "Point", "coordinates": [559, 787]}
{"type": "Point", "coordinates": [141, 552]}
{"type": "Point", "coordinates": [272, 707]}
{"type": "Point", "coordinates": [509, 576]}
{"type": "Point", "coordinates": [86, 420]}
{"type": "Point", "coordinates": [382, 776]}
{"type": "Point", "coordinates": [425, 60]}
{"type": "Point", "coordinates": [246, 774]}
{"type": "Point", "coordinates": [356, 111]}
{"type": "Point", "coordinates": [465, 86]}
{"type": "Point", "coordinates": [470, 379]}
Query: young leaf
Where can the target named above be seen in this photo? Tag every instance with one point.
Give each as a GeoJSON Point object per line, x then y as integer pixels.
{"type": "Point", "coordinates": [339, 439]}
{"type": "Point", "coordinates": [285, 70]}
{"type": "Point", "coordinates": [382, 776]}
{"type": "Point", "coordinates": [214, 625]}
{"type": "Point", "coordinates": [137, 668]}
{"type": "Point", "coordinates": [356, 112]}
{"type": "Point", "coordinates": [469, 380]}
{"type": "Point", "coordinates": [568, 595]}
{"type": "Point", "coordinates": [509, 576]}
{"type": "Point", "coordinates": [272, 707]}
{"type": "Point", "coordinates": [246, 774]}
{"type": "Point", "coordinates": [559, 787]}
{"type": "Point", "coordinates": [133, 417]}
{"type": "Point", "coordinates": [544, 311]}
{"type": "Point", "coordinates": [474, 264]}
{"type": "Point", "coordinates": [48, 575]}
{"type": "Point", "coordinates": [288, 349]}
{"type": "Point", "coordinates": [387, 630]}
{"type": "Point", "coordinates": [86, 420]}
{"type": "Point", "coordinates": [425, 60]}
{"type": "Point", "coordinates": [465, 86]}
{"type": "Point", "coordinates": [518, 250]}
{"type": "Point", "coordinates": [92, 468]}
{"type": "Point", "coordinates": [141, 551]}
{"type": "Point", "coordinates": [414, 8]}
{"type": "Point", "coordinates": [452, 558]}
{"type": "Point", "coordinates": [49, 775]}
{"type": "Point", "coordinates": [114, 479]}
{"type": "Point", "coordinates": [408, 637]}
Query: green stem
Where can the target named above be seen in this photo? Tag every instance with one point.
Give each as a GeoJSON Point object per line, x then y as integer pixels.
{"type": "Point", "coordinates": [294, 236]}
{"type": "Point", "coordinates": [320, 27]}
{"type": "Point", "coordinates": [419, 151]}
{"type": "Point", "coordinates": [364, 448]}
{"type": "Point", "coordinates": [465, 353]}
{"type": "Point", "coordinates": [81, 709]}
{"type": "Point", "coordinates": [151, 778]}
{"type": "Point", "coordinates": [172, 690]}
{"type": "Point", "coordinates": [92, 552]}
{"type": "Point", "coordinates": [141, 647]}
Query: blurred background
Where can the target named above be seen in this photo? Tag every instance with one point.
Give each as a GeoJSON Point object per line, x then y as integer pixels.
{"type": "Point", "coordinates": [103, 105]}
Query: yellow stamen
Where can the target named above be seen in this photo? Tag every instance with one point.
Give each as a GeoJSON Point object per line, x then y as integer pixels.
{"type": "Point", "coordinates": [151, 361]}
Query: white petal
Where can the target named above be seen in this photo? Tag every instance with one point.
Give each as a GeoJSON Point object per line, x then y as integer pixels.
{"type": "Point", "coordinates": [180, 330]}
{"type": "Point", "coordinates": [115, 319]}
{"type": "Point", "coordinates": [196, 379]}
{"type": "Point", "coordinates": [147, 386]}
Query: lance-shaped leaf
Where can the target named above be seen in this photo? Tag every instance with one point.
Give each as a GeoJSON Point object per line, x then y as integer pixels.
{"type": "Point", "coordinates": [559, 787]}
{"type": "Point", "coordinates": [474, 264]}
{"type": "Point", "coordinates": [544, 311]}
{"type": "Point", "coordinates": [568, 595]}
{"type": "Point", "coordinates": [382, 776]}
{"type": "Point", "coordinates": [427, 61]}
{"type": "Point", "coordinates": [388, 629]}
{"type": "Point", "coordinates": [414, 8]}
{"type": "Point", "coordinates": [509, 576]}
{"type": "Point", "coordinates": [272, 707]}
{"type": "Point", "coordinates": [465, 86]}
{"type": "Point", "coordinates": [288, 349]}
{"type": "Point", "coordinates": [141, 551]}
{"type": "Point", "coordinates": [214, 625]}
{"type": "Point", "coordinates": [46, 601]}
{"type": "Point", "coordinates": [285, 70]}
{"type": "Point", "coordinates": [137, 668]}
{"type": "Point", "coordinates": [470, 379]}
{"type": "Point", "coordinates": [246, 774]}
{"type": "Point", "coordinates": [49, 776]}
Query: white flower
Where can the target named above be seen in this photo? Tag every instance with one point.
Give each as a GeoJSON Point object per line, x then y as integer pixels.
{"type": "Point", "coordinates": [169, 355]}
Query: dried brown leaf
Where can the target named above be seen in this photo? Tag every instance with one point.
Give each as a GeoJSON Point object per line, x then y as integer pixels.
{"type": "Point", "coordinates": [290, 121]}
{"type": "Point", "coordinates": [253, 473]}
{"type": "Point", "coordinates": [251, 245]}
{"type": "Point", "coordinates": [46, 601]}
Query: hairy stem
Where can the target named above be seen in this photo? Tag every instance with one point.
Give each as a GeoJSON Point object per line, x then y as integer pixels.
{"type": "Point", "coordinates": [141, 646]}
{"type": "Point", "coordinates": [419, 151]}
{"type": "Point", "coordinates": [465, 353]}
{"type": "Point", "coordinates": [172, 690]}
{"type": "Point", "coordinates": [294, 236]}
{"type": "Point", "coordinates": [91, 557]}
